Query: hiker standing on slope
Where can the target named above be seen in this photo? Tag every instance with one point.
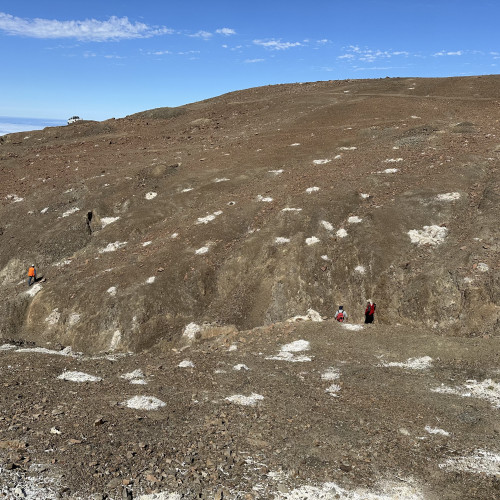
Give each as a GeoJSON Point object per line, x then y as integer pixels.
{"type": "Point", "coordinates": [341, 315]}
{"type": "Point", "coordinates": [369, 311]}
{"type": "Point", "coordinates": [31, 275]}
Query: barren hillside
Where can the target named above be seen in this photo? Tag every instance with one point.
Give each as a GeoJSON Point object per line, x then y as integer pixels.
{"type": "Point", "coordinates": [226, 233]}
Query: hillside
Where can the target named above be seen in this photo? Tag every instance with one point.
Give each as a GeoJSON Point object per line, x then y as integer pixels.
{"type": "Point", "coordinates": [197, 233]}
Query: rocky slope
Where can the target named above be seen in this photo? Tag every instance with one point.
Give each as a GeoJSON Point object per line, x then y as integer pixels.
{"type": "Point", "coordinates": [208, 246]}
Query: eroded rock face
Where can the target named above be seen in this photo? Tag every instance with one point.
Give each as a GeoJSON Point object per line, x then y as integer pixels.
{"type": "Point", "coordinates": [248, 262]}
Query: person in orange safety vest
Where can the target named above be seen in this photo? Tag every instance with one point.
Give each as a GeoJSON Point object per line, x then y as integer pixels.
{"type": "Point", "coordinates": [31, 275]}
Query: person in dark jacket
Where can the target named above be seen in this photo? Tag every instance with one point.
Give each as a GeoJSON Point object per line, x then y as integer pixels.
{"type": "Point", "coordinates": [369, 311]}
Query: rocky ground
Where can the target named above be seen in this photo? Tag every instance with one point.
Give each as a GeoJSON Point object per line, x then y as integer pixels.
{"type": "Point", "coordinates": [289, 411]}
{"type": "Point", "coordinates": [216, 236]}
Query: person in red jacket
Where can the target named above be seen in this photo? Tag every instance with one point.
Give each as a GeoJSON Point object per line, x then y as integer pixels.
{"type": "Point", "coordinates": [369, 311]}
{"type": "Point", "coordinates": [31, 275]}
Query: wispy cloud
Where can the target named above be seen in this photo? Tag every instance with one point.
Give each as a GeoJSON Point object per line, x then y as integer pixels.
{"type": "Point", "coordinates": [276, 44]}
{"type": "Point", "coordinates": [202, 34]}
{"type": "Point", "coordinates": [444, 53]}
{"type": "Point", "coordinates": [115, 28]}
{"type": "Point", "coordinates": [252, 61]}
{"type": "Point", "coordinates": [354, 52]}
{"type": "Point", "coordinates": [226, 31]}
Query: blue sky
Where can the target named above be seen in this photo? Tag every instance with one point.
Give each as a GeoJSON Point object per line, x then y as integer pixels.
{"type": "Point", "coordinates": [102, 59]}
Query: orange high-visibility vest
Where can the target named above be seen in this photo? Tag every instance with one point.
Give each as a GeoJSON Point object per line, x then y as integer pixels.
{"type": "Point", "coordinates": [31, 272]}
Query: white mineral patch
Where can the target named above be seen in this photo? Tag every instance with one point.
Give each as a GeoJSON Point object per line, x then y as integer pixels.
{"type": "Point", "coordinates": [251, 400]}
{"type": "Point", "coordinates": [415, 117]}
{"type": "Point", "coordinates": [63, 263]}
{"type": "Point", "coordinates": [287, 351]}
{"type": "Point", "coordinates": [151, 195]}
{"type": "Point", "coordinates": [266, 199]}
{"type": "Point", "coordinates": [240, 367]}
{"type": "Point", "coordinates": [174, 235]}
{"type": "Point", "coordinates": [327, 225]}
{"type": "Point", "coordinates": [333, 390]}
{"type": "Point", "coordinates": [360, 269]}
{"type": "Point", "coordinates": [201, 250]}
{"type": "Point", "coordinates": [208, 218]}
{"type": "Point", "coordinates": [487, 389]}
{"type": "Point", "coordinates": [311, 315]}
{"type": "Point", "coordinates": [115, 340]}
{"type": "Point", "coordinates": [312, 240]}
{"type": "Point", "coordinates": [144, 403]}
{"type": "Point", "coordinates": [354, 219]}
{"type": "Point", "coordinates": [321, 162]}
{"type": "Point", "coordinates": [390, 171]}
{"type": "Point", "coordinates": [106, 221]}
{"type": "Point", "coordinates": [348, 148]}
{"type": "Point", "coordinates": [330, 374]}
{"type": "Point", "coordinates": [364, 196]}
{"type": "Point", "coordinates": [111, 290]}
{"type": "Point", "coordinates": [233, 347]}
{"type": "Point", "coordinates": [448, 197]}
{"type": "Point", "coordinates": [138, 381]}
{"type": "Point", "coordinates": [429, 235]}
{"type": "Point", "coordinates": [289, 209]}
{"type": "Point", "coordinates": [191, 330]}
{"type": "Point", "coordinates": [7, 347]}
{"type": "Point", "coordinates": [435, 430]}
{"type": "Point", "coordinates": [329, 491]}
{"type": "Point", "coordinates": [313, 189]}
{"type": "Point", "coordinates": [482, 267]}
{"type": "Point", "coordinates": [480, 462]}
{"type": "Point", "coordinates": [295, 144]}
{"type": "Point", "coordinates": [297, 345]}
{"type": "Point", "coordinates": [326, 258]}
{"type": "Point", "coordinates": [341, 233]}
{"type": "Point", "coordinates": [78, 377]}
{"type": "Point", "coordinates": [147, 243]}
{"type": "Point", "coordinates": [223, 179]}
{"type": "Point", "coordinates": [150, 280]}
{"type": "Point", "coordinates": [14, 198]}
{"type": "Point", "coordinates": [53, 317]}
{"type": "Point", "coordinates": [44, 210]}
{"type": "Point", "coordinates": [133, 375]}
{"type": "Point", "coordinates": [412, 363]}
{"type": "Point", "coordinates": [34, 290]}
{"type": "Point", "coordinates": [70, 212]}
{"type": "Point", "coordinates": [281, 241]}
{"type": "Point", "coordinates": [186, 364]}
{"type": "Point", "coordinates": [42, 350]}
{"type": "Point", "coordinates": [393, 160]}
{"type": "Point", "coordinates": [354, 328]}
{"type": "Point", "coordinates": [162, 495]}
{"type": "Point", "coordinates": [73, 319]}
{"type": "Point", "coordinates": [337, 157]}
{"type": "Point", "coordinates": [113, 247]}
{"type": "Point", "coordinates": [276, 172]}
{"type": "Point", "coordinates": [186, 190]}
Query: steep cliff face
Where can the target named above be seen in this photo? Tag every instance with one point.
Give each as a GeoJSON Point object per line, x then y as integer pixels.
{"type": "Point", "coordinates": [253, 207]}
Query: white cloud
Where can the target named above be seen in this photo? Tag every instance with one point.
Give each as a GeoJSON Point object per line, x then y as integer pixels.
{"type": "Point", "coordinates": [202, 34]}
{"type": "Point", "coordinates": [115, 28]}
{"type": "Point", "coordinates": [370, 55]}
{"type": "Point", "coordinates": [276, 44]}
{"type": "Point", "coordinates": [444, 53]}
{"type": "Point", "coordinates": [226, 31]}
{"type": "Point", "coordinates": [251, 61]}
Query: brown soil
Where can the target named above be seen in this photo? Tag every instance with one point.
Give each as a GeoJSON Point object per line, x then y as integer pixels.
{"type": "Point", "coordinates": [440, 301]}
